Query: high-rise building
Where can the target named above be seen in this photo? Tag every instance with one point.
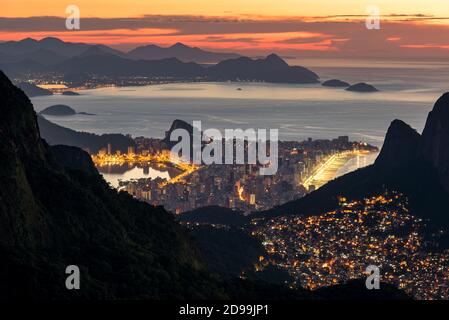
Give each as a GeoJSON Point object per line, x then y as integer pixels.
{"type": "Point", "coordinates": [252, 199]}
{"type": "Point", "coordinates": [146, 195]}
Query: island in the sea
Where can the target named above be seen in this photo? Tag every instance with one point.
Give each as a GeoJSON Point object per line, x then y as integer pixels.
{"type": "Point", "coordinates": [362, 87]}
{"type": "Point", "coordinates": [58, 110]}
{"type": "Point", "coordinates": [62, 110]}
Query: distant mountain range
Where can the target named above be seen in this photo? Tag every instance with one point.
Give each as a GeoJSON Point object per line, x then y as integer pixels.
{"type": "Point", "coordinates": [21, 58]}
{"type": "Point", "coordinates": [271, 69]}
{"type": "Point", "coordinates": [115, 66]}
{"type": "Point", "coordinates": [181, 52]}
{"type": "Point", "coordinates": [50, 51]}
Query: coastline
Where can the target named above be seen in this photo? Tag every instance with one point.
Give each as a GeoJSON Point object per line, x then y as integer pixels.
{"type": "Point", "coordinates": [337, 165]}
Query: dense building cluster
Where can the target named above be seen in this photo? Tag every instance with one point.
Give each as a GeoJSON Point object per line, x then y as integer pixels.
{"type": "Point", "coordinates": [83, 81]}
{"type": "Point", "coordinates": [236, 186]}
{"type": "Point", "coordinates": [339, 245]}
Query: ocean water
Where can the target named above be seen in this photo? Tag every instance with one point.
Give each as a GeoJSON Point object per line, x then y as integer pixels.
{"type": "Point", "coordinates": [408, 92]}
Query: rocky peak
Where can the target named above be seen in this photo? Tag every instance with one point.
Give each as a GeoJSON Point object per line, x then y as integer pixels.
{"type": "Point", "coordinates": [180, 124]}
{"type": "Point", "coordinates": [401, 145]}
{"type": "Point", "coordinates": [435, 141]}
{"type": "Point", "coordinates": [275, 60]}
{"type": "Point", "coordinates": [177, 124]}
{"type": "Point", "coordinates": [179, 45]}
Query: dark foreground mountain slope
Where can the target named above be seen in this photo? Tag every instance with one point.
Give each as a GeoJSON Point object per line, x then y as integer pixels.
{"type": "Point", "coordinates": [52, 216]}
{"type": "Point", "coordinates": [410, 163]}
{"type": "Point", "coordinates": [215, 215]}
{"type": "Point", "coordinates": [227, 251]}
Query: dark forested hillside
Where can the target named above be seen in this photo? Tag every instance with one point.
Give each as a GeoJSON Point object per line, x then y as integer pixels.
{"type": "Point", "coordinates": [54, 214]}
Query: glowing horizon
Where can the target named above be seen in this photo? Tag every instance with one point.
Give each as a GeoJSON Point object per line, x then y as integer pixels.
{"type": "Point", "coordinates": [409, 27]}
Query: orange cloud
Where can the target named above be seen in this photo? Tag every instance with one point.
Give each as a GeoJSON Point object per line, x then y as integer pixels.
{"type": "Point", "coordinates": [267, 41]}
{"type": "Point", "coordinates": [251, 35]}
{"type": "Point", "coordinates": [426, 46]}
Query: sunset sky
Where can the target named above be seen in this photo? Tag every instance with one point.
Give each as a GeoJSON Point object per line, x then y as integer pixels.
{"type": "Point", "coordinates": [316, 28]}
